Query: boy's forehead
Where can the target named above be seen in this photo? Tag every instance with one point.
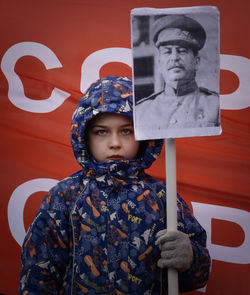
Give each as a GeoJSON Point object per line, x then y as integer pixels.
{"type": "Point", "coordinates": [110, 117]}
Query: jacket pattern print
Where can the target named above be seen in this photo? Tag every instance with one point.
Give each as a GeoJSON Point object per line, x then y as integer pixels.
{"type": "Point", "coordinates": [94, 232]}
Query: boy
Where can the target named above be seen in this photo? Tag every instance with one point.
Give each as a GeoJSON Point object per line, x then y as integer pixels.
{"type": "Point", "coordinates": [101, 230]}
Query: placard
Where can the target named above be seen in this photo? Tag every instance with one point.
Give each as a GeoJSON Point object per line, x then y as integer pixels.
{"type": "Point", "coordinates": [176, 66]}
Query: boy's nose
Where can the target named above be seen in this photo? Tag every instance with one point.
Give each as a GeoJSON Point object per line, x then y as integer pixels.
{"type": "Point", "coordinates": [114, 141]}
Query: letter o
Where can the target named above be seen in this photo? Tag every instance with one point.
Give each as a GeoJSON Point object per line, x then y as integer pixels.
{"type": "Point", "coordinates": [93, 63]}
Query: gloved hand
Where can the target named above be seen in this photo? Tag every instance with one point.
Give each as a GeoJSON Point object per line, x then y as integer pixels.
{"type": "Point", "coordinates": [176, 250]}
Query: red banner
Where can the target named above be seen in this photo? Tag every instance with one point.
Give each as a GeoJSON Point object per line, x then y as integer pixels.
{"type": "Point", "coordinates": [50, 53]}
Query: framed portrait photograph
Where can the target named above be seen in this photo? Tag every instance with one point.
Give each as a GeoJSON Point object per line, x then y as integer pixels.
{"type": "Point", "coordinates": [176, 68]}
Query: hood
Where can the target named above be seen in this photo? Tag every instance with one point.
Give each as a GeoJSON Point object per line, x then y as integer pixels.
{"type": "Point", "coordinates": [111, 94]}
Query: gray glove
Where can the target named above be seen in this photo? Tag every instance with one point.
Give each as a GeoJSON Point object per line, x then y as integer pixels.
{"type": "Point", "coordinates": [176, 250]}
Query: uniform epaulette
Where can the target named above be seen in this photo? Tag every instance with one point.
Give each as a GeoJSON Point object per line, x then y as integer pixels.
{"type": "Point", "coordinates": [208, 92]}
{"type": "Point", "coordinates": [150, 97]}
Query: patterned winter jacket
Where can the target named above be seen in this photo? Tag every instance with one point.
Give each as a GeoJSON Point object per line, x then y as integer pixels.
{"type": "Point", "coordinates": [95, 230]}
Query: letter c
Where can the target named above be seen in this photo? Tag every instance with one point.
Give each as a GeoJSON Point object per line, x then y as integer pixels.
{"type": "Point", "coordinates": [16, 91]}
{"type": "Point", "coordinates": [17, 202]}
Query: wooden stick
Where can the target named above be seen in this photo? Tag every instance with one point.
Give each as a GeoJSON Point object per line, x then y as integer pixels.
{"type": "Point", "coordinates": [171, 205]}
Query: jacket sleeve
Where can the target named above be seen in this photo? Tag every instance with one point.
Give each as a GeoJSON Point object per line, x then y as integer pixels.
{"type": "Point", "coordinates": [197, 275]}
{"type": "Point", "coordinates": [45, 249]}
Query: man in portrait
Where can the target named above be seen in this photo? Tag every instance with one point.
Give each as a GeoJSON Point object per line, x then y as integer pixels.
{"type": "Point", "coordinates": [180, 103]}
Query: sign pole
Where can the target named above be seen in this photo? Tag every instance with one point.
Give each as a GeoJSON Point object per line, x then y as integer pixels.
{"type": "Point", "coordinates": [171, 205]}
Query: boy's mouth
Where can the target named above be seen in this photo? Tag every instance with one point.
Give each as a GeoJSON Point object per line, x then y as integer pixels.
{"type": "Point", "coordinates": [115, 158]}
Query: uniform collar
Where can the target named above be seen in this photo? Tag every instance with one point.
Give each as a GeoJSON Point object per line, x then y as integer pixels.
{"type": "Point", "coordinates": [182, 89]}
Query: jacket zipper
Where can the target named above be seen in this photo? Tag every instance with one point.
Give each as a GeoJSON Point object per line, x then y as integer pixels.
{"type": "Point", "coordinates": [73, 238]}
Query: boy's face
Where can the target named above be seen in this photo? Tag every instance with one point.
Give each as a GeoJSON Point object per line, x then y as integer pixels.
{"type": "Point", "coordinates": [111, 138]}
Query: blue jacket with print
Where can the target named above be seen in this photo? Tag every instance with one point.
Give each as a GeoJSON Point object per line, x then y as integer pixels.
{"type": "Point", "coordinates": [95, 231]}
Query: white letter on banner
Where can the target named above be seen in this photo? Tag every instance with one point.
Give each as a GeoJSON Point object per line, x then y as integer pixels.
{"type": "Point", "coordinates": [240, 98]}
{"type": "Point", "coordinates": [205, 212]}
{"type": "Point", "coordinates": [93, 63]}
{"type": "Point", "coordinates": [16, 90]}
{"type": "Point", "coordinates": [17, 202]}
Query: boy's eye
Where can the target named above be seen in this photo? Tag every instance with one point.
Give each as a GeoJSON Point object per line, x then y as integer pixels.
{"type": "Point", "coordinates": [127, 131]}
{"type": "Point", "coordinates": [100, 132]}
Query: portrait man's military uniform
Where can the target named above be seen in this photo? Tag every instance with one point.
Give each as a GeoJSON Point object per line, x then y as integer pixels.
{"type": "Point", "coordinates": [189, 107]}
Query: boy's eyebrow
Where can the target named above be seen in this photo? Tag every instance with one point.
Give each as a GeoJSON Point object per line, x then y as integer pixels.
{"type": "Point", "coordinates": [105, 126]}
